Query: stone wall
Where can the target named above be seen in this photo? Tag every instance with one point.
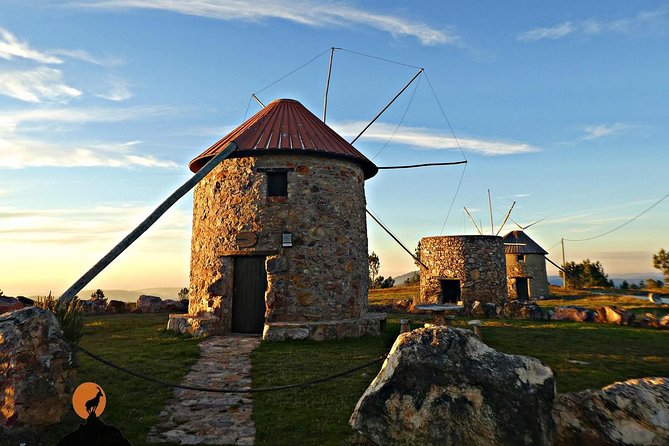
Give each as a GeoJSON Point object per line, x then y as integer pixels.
{"type": "Point", "coordinates": [534, 267]}
{"type": "Point", "coordinates": [37, 372]}
{"type": "Point", "coordinates": [323, 277]}
{"type": "Point", "coordinates": [477, 261]}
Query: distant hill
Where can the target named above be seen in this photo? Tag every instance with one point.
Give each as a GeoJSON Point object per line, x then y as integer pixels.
{"type": "Point", "coordinates": [631, 278]}
{"type": "Point", "coordinates": [132, 295]}
{"type": "Point", "coordinates": [399, 280]}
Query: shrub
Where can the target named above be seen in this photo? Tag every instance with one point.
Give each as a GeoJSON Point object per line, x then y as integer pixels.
{"type": "Point", "coordinates": [70, 317]}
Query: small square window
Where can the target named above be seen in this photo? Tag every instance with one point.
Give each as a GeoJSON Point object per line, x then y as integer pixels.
{"type": "Point", "coordinates": [520, 258]}
{"type": "Point", "coordinates": [277, 184]}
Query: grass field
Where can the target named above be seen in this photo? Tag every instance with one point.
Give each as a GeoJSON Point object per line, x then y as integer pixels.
{"type": "Point", "coordinates": [318, 415]}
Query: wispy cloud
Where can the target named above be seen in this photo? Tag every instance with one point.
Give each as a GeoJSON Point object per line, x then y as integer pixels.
{"type": "Point", "coordinates": [116, 90]}
{"type": "Point", "coordinates": [11, 121]}
{"type": "Point", "coordinates": [642, 21]}
{"type": "Point", "coordinates": [11, 47]}
{"type": "Point", "coordinates": [87, 225]}
{"type": "Point", "coordinates": [19, 153]}
{"type": "Point", "coordinates": [598, 131]}
{"type": "Point", "coordinates": [553, 32]}
{"type": "Point", "coordinates": [108, 61]}
{"type": "Point", "coordinates": [304, 12]}
{"type": "Point", "coordinates": [426, 138]}
{"type": "Point", "coordinates": [37, 85]}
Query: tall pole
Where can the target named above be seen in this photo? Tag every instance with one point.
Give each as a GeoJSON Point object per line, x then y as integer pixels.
{"type": "Point", "coordinates": [473, 222]}
{"type": "Point", "coordinates": [327, 85]}
{"type": "Point", "coordinates": [145, 225]}
{"type": "Point", "coordinates": [564, 266]}
{"type": "Point", "coordinates": [492, 228]}
{"type": "Point", "coordinates": [506, 218]}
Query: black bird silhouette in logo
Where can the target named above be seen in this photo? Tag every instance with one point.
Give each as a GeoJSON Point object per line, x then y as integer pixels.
{"type": "Point", "coordinates": [92, 404]}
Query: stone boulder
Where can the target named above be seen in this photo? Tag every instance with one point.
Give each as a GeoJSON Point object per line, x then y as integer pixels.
{"type": "Point", "coordinates": [482, 310]}
{"type": "Point", "coordinates": [37, 372]}
{"type": "Point", "coordinates": [93, 306]}
{"type": "Point", "coordinates": [516, 309]}
{"type": "Point", "coordinates": [634, 413]}
{"type": "Point", "coordinates": [664, 322]}
{"type": "Point", "coordinates": [444, 386]}
{"type": "Point", "coordinates": [614, 315]}
{"type": "Point", "coordinates": [149, 304]}
{"type": "Point", "coordinates": [9, 304]}
{"type": "Point", "coordinates": [116, 306]}
{"type": "Point", "coordinates": [26, 301]}
{"type": "Point", "coordinates": [174, 306]}
{"type": "Point", "coordinates": [573, 313]}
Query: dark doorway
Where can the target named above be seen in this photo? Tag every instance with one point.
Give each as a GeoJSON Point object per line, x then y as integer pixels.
{"type": "Point", "coordinates": [248, 299]}
{"type": "Point", "coordinates": [450, 291]}
{"type": "Point", "coordinates": [522, 288]}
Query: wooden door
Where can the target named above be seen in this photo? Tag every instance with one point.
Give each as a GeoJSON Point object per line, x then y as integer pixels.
{"type": "Point", "coordinates": [523, 288]}
{"type": "Point", "coordinates": [248, 299]}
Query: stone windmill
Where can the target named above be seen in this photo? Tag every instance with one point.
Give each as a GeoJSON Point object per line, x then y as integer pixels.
{"type": "Point", "coordinates": [279, 240]}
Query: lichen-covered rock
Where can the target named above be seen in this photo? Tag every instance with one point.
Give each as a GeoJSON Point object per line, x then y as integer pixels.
{"type": "Point", "coordinates": [149, 304]}
{"type": "Point", "coordinates": [631, 413]}
{"type": "Point", "coordinates": [573, 313]}
{"type": "Point", "coordinates": [37, 370]}
{"type": "Point", "coordinates": [444, 386]}
{"type": "Point", "coordinates": [9, 304]}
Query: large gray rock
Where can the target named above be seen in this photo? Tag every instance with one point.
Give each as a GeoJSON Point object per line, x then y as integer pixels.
{"type": "Point", "coordinates": [444, 386]}
{"type": "Point", "coordinates": [631, 413]}
{"type": "Point", "coordinates": [37, 371]}
{"type": "Point", "coordinates": [116, 306]}
{"type": "Point", "coordinates": [149, 304]}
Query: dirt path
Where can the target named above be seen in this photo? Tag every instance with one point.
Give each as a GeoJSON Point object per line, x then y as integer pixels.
{"type": "Point", "coordinates": [193, 417]}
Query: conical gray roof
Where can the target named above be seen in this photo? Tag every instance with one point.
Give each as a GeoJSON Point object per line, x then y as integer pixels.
{"type": "Point", "coordinates": [517, 242]}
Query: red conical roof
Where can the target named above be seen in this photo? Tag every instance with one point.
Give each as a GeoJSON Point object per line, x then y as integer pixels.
{"type": "Point", "coordinates": [286, 126]}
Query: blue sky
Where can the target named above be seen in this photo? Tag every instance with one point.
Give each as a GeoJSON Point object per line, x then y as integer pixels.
{"type": "Point", "coordinates": [561, 107]}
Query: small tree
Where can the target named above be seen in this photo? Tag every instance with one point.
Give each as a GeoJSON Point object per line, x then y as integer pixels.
{"type": "Point", "coordinates": [652, 283]}
{"type": "Point", "coordinates": [374, 265]}
{"type": "Point", "coordinates": [661, 262]}
{"type": "Point", "coordinates": [183, 294]}
{"type": "Point", "coordinates": [413, 279]}
{"type": "Point", "coordinates": [98, 295]}
{"type": "Point", "coordinates": [624, 285]}
{"type": "Point", "coordinates": [586, 274]}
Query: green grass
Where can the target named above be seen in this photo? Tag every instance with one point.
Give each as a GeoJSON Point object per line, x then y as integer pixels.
{"type": "Point", "coordinates": [318, 415]}
{"type": "Point", "coordinates": [389, 295]}
{"type": "Point", "coordinates": [140, 343]}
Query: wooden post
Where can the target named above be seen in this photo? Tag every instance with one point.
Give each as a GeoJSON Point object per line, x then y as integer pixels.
{"type": "Point", "coordinates": [564, 266]}
{"type": "Point", "coordinates": [327, 85]}
{"type": "Point", "coordinates": [143, 226]}
{"type": "Point", "coordinates": [492, 227]}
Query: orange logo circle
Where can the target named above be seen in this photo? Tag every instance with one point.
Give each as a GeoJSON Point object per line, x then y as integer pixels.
{"type": "Point", "coordinates": [89, 398]}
